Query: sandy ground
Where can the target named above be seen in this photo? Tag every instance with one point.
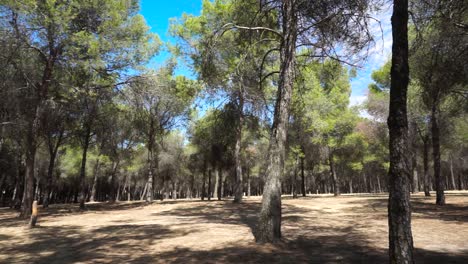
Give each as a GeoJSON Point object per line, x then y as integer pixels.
{"type": "Point", "coordinates": [317, 229]}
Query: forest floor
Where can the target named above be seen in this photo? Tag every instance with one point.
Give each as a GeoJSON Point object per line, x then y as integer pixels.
{"type": "Point", "coordinates": [316, 229]}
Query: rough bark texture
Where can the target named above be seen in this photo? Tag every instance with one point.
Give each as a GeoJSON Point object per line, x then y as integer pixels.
{"type": "Point", "coordinates": [238, 188]}
{"type": "Point", "coordinates": [269, 222]}
{"type": "Point", "coordinates": [399, 208]}
{"type": "Point", "coordinates": [440, 196]}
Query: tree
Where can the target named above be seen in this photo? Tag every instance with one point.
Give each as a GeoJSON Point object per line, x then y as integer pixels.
{"type": "Point", "coordinates": [399, 208]}
{"type": "Point", "coordinates": [439, 59]}
{"type": "Point", "coordinates": [158, 101]}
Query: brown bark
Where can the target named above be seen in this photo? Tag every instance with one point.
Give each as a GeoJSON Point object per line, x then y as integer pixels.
{"type": "Point", "coordinates": [440, 196]}
{"type": "Point", "coordinates": [399, 207]}
{"type": "Point", "coordinates": [269, 222]}
{"type": "Point", "coordinates": [209, 185]}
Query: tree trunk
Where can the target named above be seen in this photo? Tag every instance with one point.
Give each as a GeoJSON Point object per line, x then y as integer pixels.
{"type": "Point", "coordinates": [440, 196]}
{"type": "Point", "coordinates": [399, 207]}
{"type": "Point", "coordinates": [217, 186]}
{"type": "Point", "coordinates": [203, 191]}
{"type": "Point", "coordinates": [303, 187]}
{"type": "Point", "coordinates": [427, 181]}
{"type": "Point", "coordinates": [414, 167]}
{"type": "Point", "coordinates": [452, 176]}
{"type": "Point", "coordinates": [209, 185]}
{"type": "Point", "coordinates": [269, 221]}
{"type": "Point", "coordinates": [53, 150]}
{"type": "Point", "coordinates": [87, 137]}
{"type": "Point", "coordinates": [238, 187]}
{"type": "Point", "coordinates": [248, 182]}
{"type": "Point", "coordinates": [93, 188]}
{"type": "Point", "coordinates": [221, 180]}
{"type": "Point", "coordinates": [336, 184]}
{"type": "Point", "coordinates": [31, 146]}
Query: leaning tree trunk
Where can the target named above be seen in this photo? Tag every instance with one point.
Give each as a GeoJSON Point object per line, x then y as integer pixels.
{"type": "Point", "coordinates": [238, 188]}
{"type": "Point", "coordinates": [83, 166]}
{"type": "Point", "coordinates": [399, 207]}
{"type": "Point", "coordinates": [440, 196]}
{"type": "Point", "coordinates": [269, 222]}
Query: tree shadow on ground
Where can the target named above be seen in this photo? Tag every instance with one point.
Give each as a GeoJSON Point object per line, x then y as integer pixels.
{"type": "Point", "coordinates": [306, 240]}
{"type": "Point", "coordinates": [422, 207]}
{"type": "Point", "coordinates": [71, 244]}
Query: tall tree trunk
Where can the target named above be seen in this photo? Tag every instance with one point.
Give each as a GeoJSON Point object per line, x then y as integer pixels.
{"type": "Point", "coordinates": [248, 183]}
{"type": "Point", "coordinates": [87, 137]}
{"type": "Point", "coordinates": [95, 178]}
{"type": "Point", "coordinates": [209, 185]}
{"type": "Point", "coordinates": [238, 187]}
{"type": "Point", "coordinates": [399, 207]}
{"type": "Point", "coordinates": [217, 186]}
{"type": "Point", "coordinates": [303, 183]}
{"type": "Point", "coordinates": [336, 184]}
{"type": "Point", "coordinates": [31, 146]}
{"type": "Point", "coordinates": [440, 196]}
{"type": "Point", "coordinates": [414, 168]}
{"type": "Point", "coordinates": [221, 180]}
{"type": "Point", "coordinates": [269, 221]}
{"type": "Point", "coordinates": [427, 180]}
{"type": "Point", "coordinates": [53, 150]}
{"type": "Point", "coordinates": [203, 191]}
{"type": "Point", "coordinates": [452, 176]}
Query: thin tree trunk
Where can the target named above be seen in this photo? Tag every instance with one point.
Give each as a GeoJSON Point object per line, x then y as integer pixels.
{"type": "Point", "coordinates": [414, 168]}
{"type": "Point", "coordinates": [336, 184]}
{"type": "Point", "coordinates": [440, 196]}
{"type": "Point", "coordinates": [452, 176]}
{"type": "Point", "coordinates": [427, 181]}
{"type": "Point", "coordinates": [53, 150]}
{"type": "Point", "coordinates": [221, 180]}
{"type": "Point", "coordinates": [28, 191]}
{"type": "Point", "coordinates": [217, 186]}
{"type": "Point", "coordinates": [399, 207]}
{"type": "Point", "coordinates": [203, 191]}
{"type": "Point", "coordinates": [269, 221]}
{"type": "Point", "coordinates": [209, 185]}
{"type": "Point", "coordinates": [248, 182]}
{"type": "Point", "coordinates": [238, 187]}
{"type": "Point", "coordinates": [303, 183]}
{"type": "Point", "coordinates": [96, 172]}
{"type": "Point", "coordinates": [83, 166]}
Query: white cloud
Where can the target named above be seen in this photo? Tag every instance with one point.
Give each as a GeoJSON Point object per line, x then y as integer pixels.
{"type": "Point", "coordinates": [356, 100]}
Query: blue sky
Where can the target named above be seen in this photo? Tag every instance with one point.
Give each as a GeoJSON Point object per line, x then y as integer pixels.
{"type": "Point", "coordinates": [158, 12]}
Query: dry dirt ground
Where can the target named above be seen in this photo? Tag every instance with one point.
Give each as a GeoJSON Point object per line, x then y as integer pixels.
{"type": "Point", "coordinates": [317, 229]}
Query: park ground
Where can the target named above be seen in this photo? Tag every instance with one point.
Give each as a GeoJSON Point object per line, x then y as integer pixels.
{"type": "Point", "coordinates": [316, 229]}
